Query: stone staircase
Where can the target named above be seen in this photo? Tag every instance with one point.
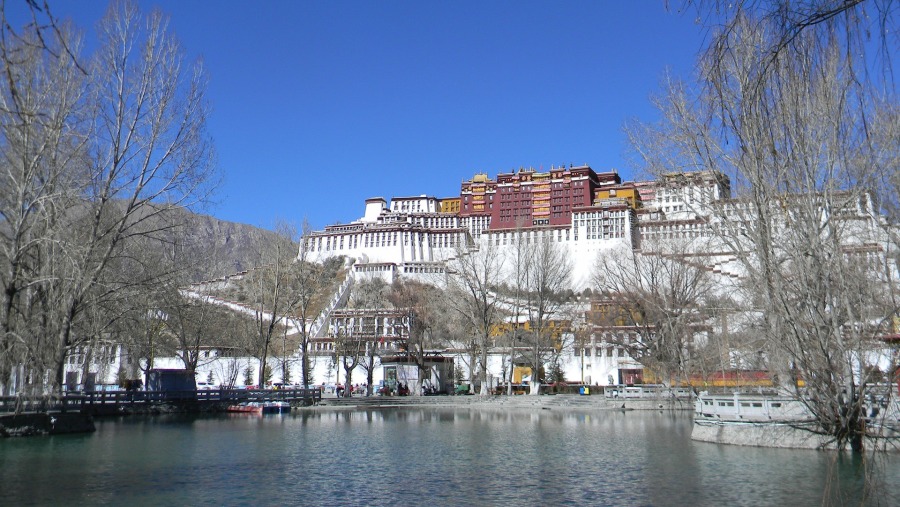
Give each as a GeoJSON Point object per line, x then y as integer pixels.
{"type": "Point", "coordinates": [727, 267]}
{"type": "Point", "coordinates": [320, 325]}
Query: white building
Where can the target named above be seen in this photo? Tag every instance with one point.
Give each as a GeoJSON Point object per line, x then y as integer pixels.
{"type": "Point", "coordinates": [412, 237]}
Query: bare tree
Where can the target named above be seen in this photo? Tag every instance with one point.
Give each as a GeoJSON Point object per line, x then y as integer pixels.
{"type": "Point", "coordinates": [807, 144]}
{"type": "Point", "coordinates": [357, 331]}
{"type": "Point", "coordinates": [579, 332]}
{"type": "Point", "coordinates": [863, 32]}
{"type": "Point", "coordinates": [313, 284]}
{"type": "Point", "coordinates": [521, 264]}
{"type": "Point", "coordinates": [194, 323]}
{"type": "Point", "coordinates": [161, 313]}
{"type": "Point", "coordinates": [88, 161]}
{"type": "Point", "coordinates": [546, 281]}
{"type": "Point", "coordinates": [472, 278]}
{"type": "Point", "coordinates": [349, 351]}
{"type": "Point", "coordinates": [422, 307]}
{"type": "Point", "coordinates": [659, 296]}
{"type": "Point", "coordinates": [370, 295]}
{"type": "Point", "coordinates": [41, 94]}
{"type": "Point", "coordinates": [860, 27]}
{"type": "Point", "coordinates": [273, 295]}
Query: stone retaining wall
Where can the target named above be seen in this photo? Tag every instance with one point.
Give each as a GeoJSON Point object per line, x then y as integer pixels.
{"type": "Point", "coordinates": [759, 435]}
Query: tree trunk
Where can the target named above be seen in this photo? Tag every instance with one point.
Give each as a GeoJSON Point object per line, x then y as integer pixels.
{"type": "Point", "coordinates": [370, 370]}
{"type": "Point", "coordinates": [304, 359]}
{"type": "Point", "coordinates": [485, 388]}
{"type": "Point", "coordinates": [348, 385]}
{"type": "Point", "coordinates": [473, 369]}
{"type": "Point", "coordinates": [262, 365]}
{"type": "Point", "coordinates": [535, 386]}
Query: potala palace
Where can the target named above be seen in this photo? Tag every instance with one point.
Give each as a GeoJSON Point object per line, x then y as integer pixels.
{"type": "Point", "coordinates": [581, 210]}
{"type": "Point", "coordinates": [584, 213]}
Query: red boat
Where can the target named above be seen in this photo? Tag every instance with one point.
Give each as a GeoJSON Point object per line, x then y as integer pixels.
{"type": "Point", "coordinates": [269, 407]}
{"type": "Point", "coordinates": [247, 408]}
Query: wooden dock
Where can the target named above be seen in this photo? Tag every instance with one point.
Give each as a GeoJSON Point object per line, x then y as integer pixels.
{"type": "Point", "coordinates": [118, 402]}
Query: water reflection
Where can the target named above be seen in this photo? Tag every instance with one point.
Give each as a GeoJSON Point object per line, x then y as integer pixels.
{"type": "Point", "coordinates": [433, 456]}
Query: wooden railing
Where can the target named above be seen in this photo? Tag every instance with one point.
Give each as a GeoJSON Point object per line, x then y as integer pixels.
{"type": "Point", "coordinates": [20, 404]}
{"type": "Point", "coordinates": [76, 401]}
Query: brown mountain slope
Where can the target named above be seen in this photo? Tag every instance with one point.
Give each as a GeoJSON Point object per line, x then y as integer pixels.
{"type": "Point", "coordinates": [213, 248]}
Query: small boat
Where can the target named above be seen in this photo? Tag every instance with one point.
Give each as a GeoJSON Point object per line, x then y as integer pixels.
{"type": "Point", "coordinates": [246, 408]}
{"type": "Point", "coordinates": [255, 407]}
{"type": "Point", "coordinates": [276, 407]}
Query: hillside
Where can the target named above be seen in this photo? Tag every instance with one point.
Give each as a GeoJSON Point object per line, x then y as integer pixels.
{"type": "Point", "coordinates": [218, 248]}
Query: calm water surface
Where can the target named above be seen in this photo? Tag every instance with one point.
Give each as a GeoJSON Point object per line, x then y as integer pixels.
{"type": "Point", "coordinates": [426, 456]}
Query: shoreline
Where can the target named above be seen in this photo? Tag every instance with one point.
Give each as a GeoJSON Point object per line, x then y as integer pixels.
{"type": "Point", "coordinates": [560, 402]}
{"type": "Point", "coordinates": [49, 423]}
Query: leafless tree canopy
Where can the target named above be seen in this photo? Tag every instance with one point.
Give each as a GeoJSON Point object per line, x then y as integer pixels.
{"type": "Point", "coordinates": [662, 297]}
{"type": "Point", "coordinates": [860, 27]}
{"type": "Point", "coordinates": [547, 277]}
{"type": "Point", "coordinates": [471, 283]}
{"type": "Point", "coordinates": [809, 141]}
{"type": "Point", "coordinates": [424, 309]}
{"type": "Point", "coordinates": [92, 149]}
{"type": "Point", "coordinates": [370, 295]}
{"type": "Point", "coordinates": [285, 292]}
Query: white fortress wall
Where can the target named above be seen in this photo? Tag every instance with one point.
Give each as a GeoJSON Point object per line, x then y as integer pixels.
{"type": "Point", "coordinates": [411, 238]}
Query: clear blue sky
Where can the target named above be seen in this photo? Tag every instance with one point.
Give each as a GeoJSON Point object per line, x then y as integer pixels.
{"type": "Point", "coordinates": [320, 105]}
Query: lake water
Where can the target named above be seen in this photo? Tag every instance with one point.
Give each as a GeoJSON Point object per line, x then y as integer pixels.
{"type": "Point", "coordinates": [425, 456]}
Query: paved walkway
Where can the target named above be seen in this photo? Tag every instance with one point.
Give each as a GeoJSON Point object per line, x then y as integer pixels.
{"type": "Point", "coordinates": [548, 402]}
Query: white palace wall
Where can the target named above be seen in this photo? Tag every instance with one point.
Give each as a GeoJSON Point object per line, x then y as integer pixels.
{"type": "Point", "coordinates": [400, 240]}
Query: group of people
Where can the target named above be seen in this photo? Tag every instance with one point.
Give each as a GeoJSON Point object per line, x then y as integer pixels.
{"type": "Point", "coordinates": [341, 389]}
{"type": "Point", "coordinates": [401, 390]}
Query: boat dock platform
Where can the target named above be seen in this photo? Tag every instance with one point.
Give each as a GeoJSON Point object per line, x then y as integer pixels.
{"type": "Point", "coordinates": [137, 401]}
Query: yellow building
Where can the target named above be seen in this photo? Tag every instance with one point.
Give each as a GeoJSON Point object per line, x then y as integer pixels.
{"type": "Point", "coordinates": [627, 192]}
{"type": "Point", "coordinates": [555, 328]}
{"type": "Point", "coordinates": [450, 205]}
